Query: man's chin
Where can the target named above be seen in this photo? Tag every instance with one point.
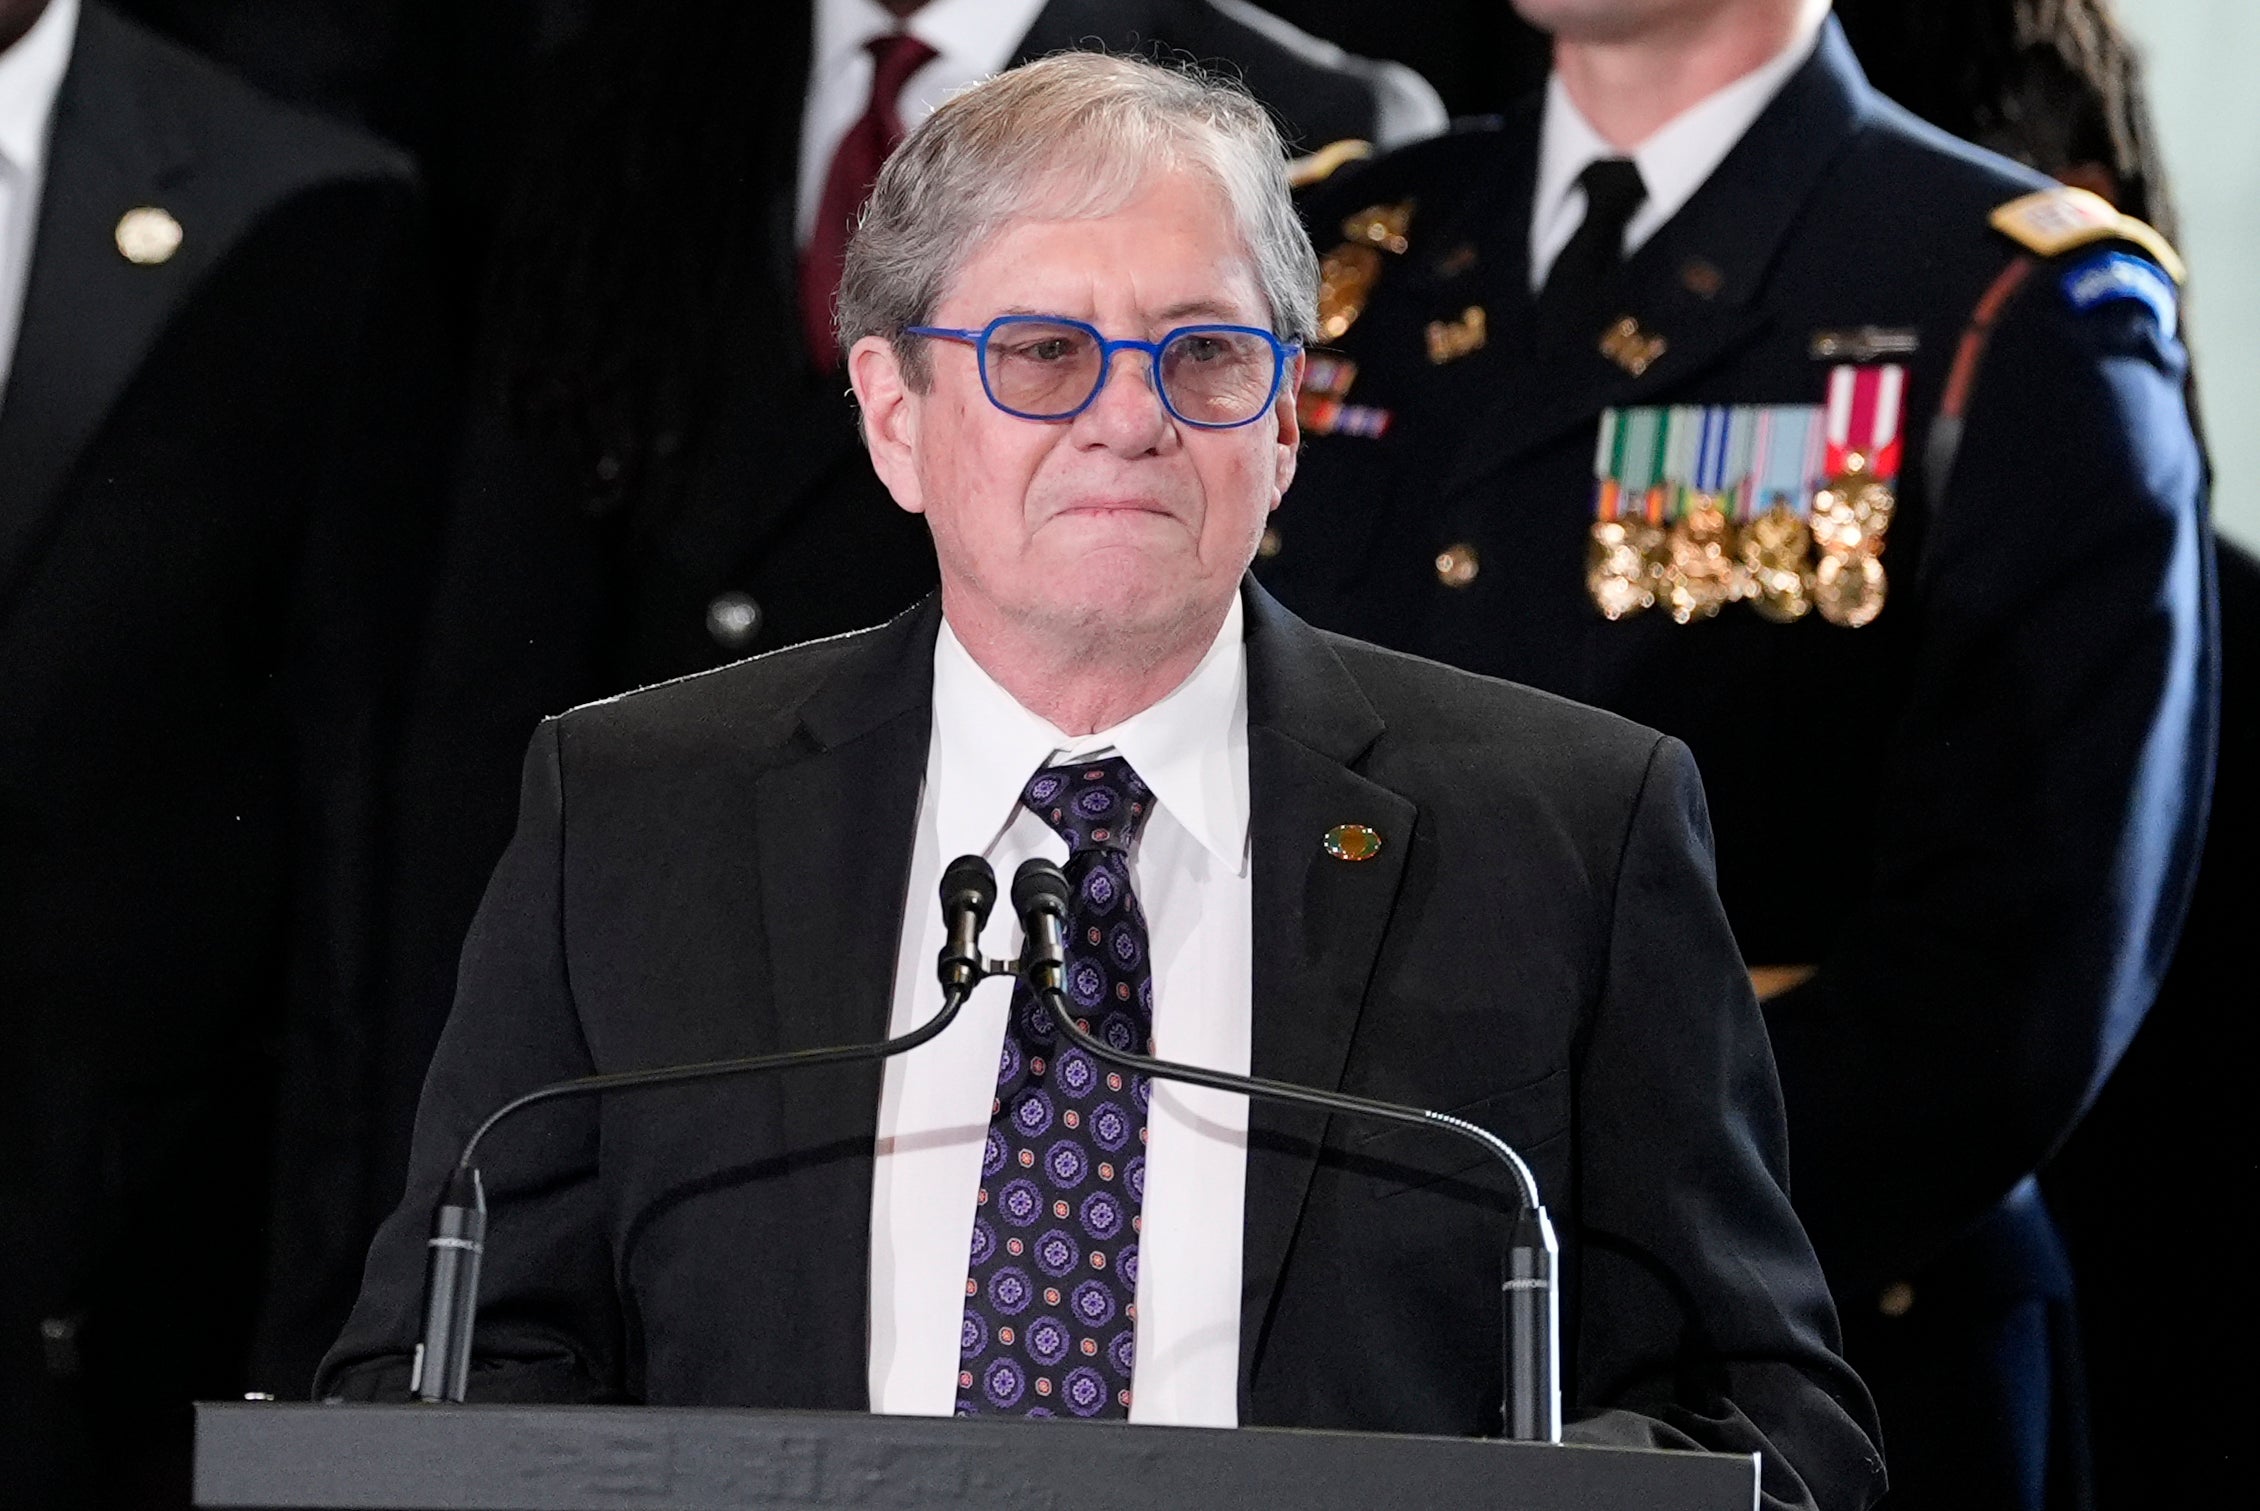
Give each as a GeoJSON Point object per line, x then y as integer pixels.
{"type": "Point", "coordinates": [1131, 599]}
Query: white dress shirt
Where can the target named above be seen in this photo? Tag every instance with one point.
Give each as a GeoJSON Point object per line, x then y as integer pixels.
{"type": "Point", "coordinates": [1190, 873]}
{"type": "Point", "coordinates": [31, 73]}
{"type": "Point", "coordinates": [1673, 162]}
{"type": "Point", "coordinates": [973, 39]}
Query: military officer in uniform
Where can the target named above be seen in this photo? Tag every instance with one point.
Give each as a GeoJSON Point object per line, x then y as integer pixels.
{"type": "Point", "coordinates": [1714, 389]}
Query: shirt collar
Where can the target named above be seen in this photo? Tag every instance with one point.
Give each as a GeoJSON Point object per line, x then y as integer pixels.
{"type": "Point", "coordinates": [980, 35]}
{"type": "Point", "coordinates": [1190, 748]}
{"type": "Point", "coordinates": [31, 74]}
{"type": "Point", "coordinates": [1679, 155]}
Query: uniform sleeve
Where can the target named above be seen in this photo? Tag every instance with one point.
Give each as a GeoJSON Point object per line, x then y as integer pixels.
{"type": "Point", "coordinates": [1700, 1316]}
{"type": "Point", "coordinates": [2039, 806]}
{"type": "Point", "coordinates": [549, 1326]}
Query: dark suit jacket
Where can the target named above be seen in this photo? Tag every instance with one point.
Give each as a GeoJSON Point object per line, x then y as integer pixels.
{"type": "Point", "coordinates": [207, 507]}
{"type": "Point", "coordinates": [718, 866]}
{"type": "Point", "coordinates": [554, 590]}
{"type": "Point", "coordinates": [1978, 815]}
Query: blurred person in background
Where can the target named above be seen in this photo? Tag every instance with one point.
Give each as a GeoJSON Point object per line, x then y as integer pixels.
{"type": "Point", "coordinates": [2139, 1188]}
{"type": "Point", "coordinates": [213, 397]}
{"type": "Point", "coordinates": [662, 471]}
{"type": "Point", "coordinates": [1714, 389]}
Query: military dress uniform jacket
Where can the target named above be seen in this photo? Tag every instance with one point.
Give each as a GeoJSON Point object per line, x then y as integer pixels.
{"type": "Point", "coordinates": [1977, 814]}
{"type": "Point", "coordinates": [212, 514]}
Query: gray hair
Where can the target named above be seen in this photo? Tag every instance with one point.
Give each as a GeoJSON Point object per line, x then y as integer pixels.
{"type": "Point", "coordinates": [1073, 135]}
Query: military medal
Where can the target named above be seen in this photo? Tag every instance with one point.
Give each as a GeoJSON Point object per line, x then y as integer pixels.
{"type": "Point", "coordinates": [1776, 543]}
{"type": "Point", "coordinates": [1703, 574]}
{"type": "Point", "coordinates": [1621, 557]}
{"type": "Point", "coordinates": [1852, 513]}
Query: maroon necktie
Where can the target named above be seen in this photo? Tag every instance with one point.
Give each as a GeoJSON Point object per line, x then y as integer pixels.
{"type": "Point", "coordinates": [855, 167]}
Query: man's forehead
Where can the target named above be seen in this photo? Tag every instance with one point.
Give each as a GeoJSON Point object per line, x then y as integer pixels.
{"type": "Point", "coordinates": [1144, 249]}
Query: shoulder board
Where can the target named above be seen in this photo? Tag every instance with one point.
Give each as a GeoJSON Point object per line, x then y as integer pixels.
{"type": "Point", "coordinates": [1319, 166]}
{"type": "Point", "coordinates": [2054, 221]}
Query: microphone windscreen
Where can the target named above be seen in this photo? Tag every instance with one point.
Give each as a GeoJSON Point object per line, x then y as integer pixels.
{"type": "Point", "coordinates": [970, 882]}
{"type": "Point", "coordinates": [1040, 883]}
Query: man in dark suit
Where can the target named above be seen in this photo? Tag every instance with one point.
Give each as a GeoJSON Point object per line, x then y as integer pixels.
{"type": "Point", "coordinates": [659, 475]}
{"type": "Point", "coordinates": [1949, 677]}
{"type": "Point", "coordinates": [1290, 852]}
{"type": "Point", "coordinates": [208, 511]}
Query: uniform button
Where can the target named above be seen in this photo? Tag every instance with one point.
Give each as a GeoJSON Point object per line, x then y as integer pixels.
{"type": "Point", "coordinates": [58, 1337]}
{"type": "Point", "coordinates": [733, 619]}
{"type": "Point", "coordinates": [1456, 566]}
{"type": "Point", "coordinates": [1897, 1300]}
{"type": "Point", "coordinates": [1267, 545]}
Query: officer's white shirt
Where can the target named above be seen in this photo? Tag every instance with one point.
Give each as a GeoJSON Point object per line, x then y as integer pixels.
{"type": "Point", "coordinates": [1190, 871]}
{"type": "Point", "coordinates": [31, 73]}
{"type": "Point", "coordinates": [1673, 162]}
{"type": "Point", "coordinates": [972, 38]}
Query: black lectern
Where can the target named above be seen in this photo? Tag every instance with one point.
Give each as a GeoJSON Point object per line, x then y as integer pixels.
{"type": "Point", "coordinates": [634, 1458]}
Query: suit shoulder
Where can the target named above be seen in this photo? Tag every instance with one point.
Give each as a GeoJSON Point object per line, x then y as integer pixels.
{"type": "Point", "coordinates": [750, 705]}
{"type": "Point", "coordinates": [252, 134]}
{"type": "Point", "coordinates": [1553, 741]}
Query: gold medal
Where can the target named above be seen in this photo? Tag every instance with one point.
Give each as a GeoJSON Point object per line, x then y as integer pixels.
{"type": "Point", "coordinates": [1852, 513]}
{"type": "Point", "coordinates": [1704, 575]}
{"type": "Point", "coordinates": [1848, 588]}
{"type": "Point", "coordinates": [1620, 565]}
{"type": "Point", "coordinates": [1774, 549]}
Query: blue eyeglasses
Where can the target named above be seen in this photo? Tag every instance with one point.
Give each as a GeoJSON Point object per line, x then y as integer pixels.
{"type": "Point", "coordinates": [1047, 367]}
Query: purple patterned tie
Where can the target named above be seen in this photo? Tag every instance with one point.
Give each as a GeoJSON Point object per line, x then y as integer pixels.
{"type": "Point", "coordinates": [1051, 1291]}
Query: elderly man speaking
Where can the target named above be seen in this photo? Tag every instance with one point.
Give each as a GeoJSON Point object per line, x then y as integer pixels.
{"type": "Point", "coordinates": [1075, 313]}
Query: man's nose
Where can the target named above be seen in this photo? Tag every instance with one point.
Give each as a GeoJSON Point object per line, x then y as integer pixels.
{"type": "Point", "coordinates": [1128, 414]}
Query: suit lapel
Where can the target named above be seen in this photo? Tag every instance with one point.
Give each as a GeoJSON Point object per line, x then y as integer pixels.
{"type": "Point", "coordinates": [834, 835]}
{"type": "Point", "coordinates": [1695, 283]}
{"type": "Point", "coordinates": [1319, 921]}
{"type": "Point", "coordinates": [90, 315]}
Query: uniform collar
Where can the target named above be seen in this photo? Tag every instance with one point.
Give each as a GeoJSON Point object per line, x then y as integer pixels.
{"type": "Point", "coordinates": [1190, 748]}
{"type": "Point", "coordinates": [31, 74]}
{"type": "Point", "coordinates": [1675, 160]}
{"type": "Point", "coordinates": [979, 34]}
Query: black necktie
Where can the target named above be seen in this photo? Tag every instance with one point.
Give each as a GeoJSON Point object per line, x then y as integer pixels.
{"type": "Point", "coordinates": [1569, 307]}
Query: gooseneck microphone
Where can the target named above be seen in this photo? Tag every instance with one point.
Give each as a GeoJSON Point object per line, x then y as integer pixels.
{"type": "Point", "coordinates": [442, 1369]}
{"type": "Point", "coordinates": [1530, 1311]}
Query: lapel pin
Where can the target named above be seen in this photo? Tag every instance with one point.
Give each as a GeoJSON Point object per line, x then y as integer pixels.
{"type": "Point", "coordinates": [1630, 347]}
{"type": "Point", "coordinates": [1352, 842]}
{"type": "Point", "coordinates": [1702, 279]}
{"type": "Point", "coordinates": [148, 236]}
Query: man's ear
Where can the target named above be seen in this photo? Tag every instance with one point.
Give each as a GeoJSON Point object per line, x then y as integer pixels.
{"type": "Point", "coordinates": [890, 418]}
{"type": "Point", "coordinates": [1288, 418]}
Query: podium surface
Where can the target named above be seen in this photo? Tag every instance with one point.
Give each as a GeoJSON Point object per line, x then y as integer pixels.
{"type": "Point", "coordinates": [638, 1458]}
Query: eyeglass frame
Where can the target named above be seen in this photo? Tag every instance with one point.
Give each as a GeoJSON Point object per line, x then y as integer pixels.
{"type": "Point", "coordinates": [979, 341]}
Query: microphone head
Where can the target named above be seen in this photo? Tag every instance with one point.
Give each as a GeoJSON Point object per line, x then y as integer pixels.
{"type": "Point", "coordinates": [1040, 883]}
{"type": "Point", "coordinates": [969, 882]}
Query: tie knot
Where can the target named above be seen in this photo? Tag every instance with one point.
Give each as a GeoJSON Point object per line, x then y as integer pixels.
{"type": "Point", "coordinates": [894, 58]}
{"type": "Point", "coordinates": [1094, 805]}
{"type": "Point", "coordinates": [1613, 189]}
